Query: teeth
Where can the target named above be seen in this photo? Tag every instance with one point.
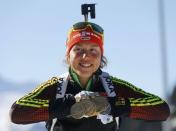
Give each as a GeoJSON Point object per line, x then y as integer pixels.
{"type": "Point", "coordinates": [86, 65]}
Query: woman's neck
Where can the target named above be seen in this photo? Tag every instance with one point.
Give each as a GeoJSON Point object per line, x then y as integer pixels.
{"type": "Point", "coordinates": [83, 81]}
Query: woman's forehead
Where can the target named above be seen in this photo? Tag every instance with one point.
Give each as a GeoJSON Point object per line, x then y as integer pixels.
{"type": "Point", "coordinates": [86, 44]}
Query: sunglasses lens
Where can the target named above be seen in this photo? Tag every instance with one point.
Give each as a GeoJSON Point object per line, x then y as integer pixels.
{"type": "Point", "coordinates": [97, 28]}
{"type": "Point", "coordinates": [80, 25]}
{"type": "Point", "coordinates": [83, 25]}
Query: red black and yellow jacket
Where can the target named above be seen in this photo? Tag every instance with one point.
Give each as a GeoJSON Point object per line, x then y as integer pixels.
{"type": "Point", "coordinates": [35, 106]}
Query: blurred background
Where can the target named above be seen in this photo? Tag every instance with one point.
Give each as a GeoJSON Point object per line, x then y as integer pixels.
{"type": "Point", "coordinates": [140, 46]}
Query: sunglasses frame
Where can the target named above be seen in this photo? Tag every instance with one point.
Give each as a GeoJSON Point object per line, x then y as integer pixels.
{"type": "Point", "coordinates": [82, 25]}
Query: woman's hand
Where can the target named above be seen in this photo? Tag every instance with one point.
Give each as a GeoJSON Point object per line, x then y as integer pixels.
{"type": "Point", "coordinates": [60, 108]}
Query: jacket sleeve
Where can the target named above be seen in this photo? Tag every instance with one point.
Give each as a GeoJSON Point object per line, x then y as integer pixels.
{"type": "Point", "coordinates": [34, 107]}
{"type": "Point", "coordinates": [143, 105]}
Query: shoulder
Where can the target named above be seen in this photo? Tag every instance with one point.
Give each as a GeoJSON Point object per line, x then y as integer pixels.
{"type": "Point", "coordinates": [118, 80]}
{"type": "Point", "coordinates": [123, 83]}
{"type": "Point", "coordinates": [50, 83]}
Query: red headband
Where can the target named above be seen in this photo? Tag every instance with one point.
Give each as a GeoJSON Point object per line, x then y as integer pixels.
{"type": "Point", "coordinates": [84, 35]}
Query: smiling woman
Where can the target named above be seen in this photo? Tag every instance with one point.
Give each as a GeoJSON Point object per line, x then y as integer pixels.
{"type": "Point", "coordinates": [84, 59]}
{"type": "Point", "coordinates": [87, 98]}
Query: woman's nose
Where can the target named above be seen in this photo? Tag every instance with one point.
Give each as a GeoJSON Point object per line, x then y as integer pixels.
{"type": "Point", "coordinates": [85, 54]}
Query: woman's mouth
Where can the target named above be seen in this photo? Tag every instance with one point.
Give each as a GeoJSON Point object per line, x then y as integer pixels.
{"type": "Point", "coordinates": [85, 65]}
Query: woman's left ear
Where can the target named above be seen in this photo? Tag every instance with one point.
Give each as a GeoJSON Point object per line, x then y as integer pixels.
{"type": "Point", "coordinates": [67, 59]}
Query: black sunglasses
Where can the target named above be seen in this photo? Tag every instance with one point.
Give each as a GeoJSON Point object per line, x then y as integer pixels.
{"type": "Point", "coordinates": [83, 25]}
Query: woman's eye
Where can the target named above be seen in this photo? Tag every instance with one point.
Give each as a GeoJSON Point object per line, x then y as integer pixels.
{"type": "Point", "coordinates": [77, 49]}
{"type": "Point", "coordinates": [93, 50]}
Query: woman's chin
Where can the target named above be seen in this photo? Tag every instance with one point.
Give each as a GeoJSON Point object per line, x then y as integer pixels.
{"type": "Point", "coordinates": [85, 74]}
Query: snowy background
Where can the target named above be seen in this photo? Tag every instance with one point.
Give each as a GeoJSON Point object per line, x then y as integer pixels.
{"type": "Point", "coordinates": [32, 45]}
{"type": "Point", "coordinates": [9, 93]}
